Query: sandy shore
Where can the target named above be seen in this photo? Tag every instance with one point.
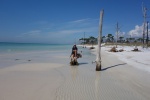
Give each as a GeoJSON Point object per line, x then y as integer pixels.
{"type": "Point", "coordinates": [30, 81]}
{"type": "Point", "coordinates": [60, 81]}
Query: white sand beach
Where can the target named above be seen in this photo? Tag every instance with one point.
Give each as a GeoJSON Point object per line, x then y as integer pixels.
{"type": "Point", "coordinates": [29, 82]}
{"type": "Point", "coordinates": [55, 79]}
{"type": "Point", "coordinates": [140, 59]}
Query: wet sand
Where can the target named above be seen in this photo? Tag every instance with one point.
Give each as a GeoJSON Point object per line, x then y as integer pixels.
{"type": "Point", "coordinates": [60, 81]}
{"type": "Point", "coordinates": [30, 82]}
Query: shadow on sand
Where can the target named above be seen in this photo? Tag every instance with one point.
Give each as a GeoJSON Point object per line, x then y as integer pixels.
{"type": "Point", "coordinates": [83, 63]}
{"type": "Point", "coordinates": [113, 66]}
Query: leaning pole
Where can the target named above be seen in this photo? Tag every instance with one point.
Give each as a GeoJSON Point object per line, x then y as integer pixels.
{"type": "Point", "coordinates": [98, 55]}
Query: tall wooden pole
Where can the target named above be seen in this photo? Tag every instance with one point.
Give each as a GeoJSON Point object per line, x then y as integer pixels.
{"type": "Point", "coordinates": [147, 39]}
{"type": "Point", "coordinates": [98, 56]}
{"type": "Point", "coordinates": [84, 39]}
{"type": "Point", "coordinates": [144, 15]}
{"type": "Point", "coordinates": [117, 29]}
{"type": "Point", "coordinates": [144, 31]}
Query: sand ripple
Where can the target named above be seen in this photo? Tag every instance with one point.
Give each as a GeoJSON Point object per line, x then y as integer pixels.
{"type": "Point", "coordinates": [83, 84]}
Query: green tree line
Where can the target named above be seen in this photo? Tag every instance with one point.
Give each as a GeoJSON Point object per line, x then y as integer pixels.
{"type": "Point", "coordinates": [109, 38]}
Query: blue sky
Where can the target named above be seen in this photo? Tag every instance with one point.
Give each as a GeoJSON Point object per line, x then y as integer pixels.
{"type": "Point", "coordinates": [65, 21]}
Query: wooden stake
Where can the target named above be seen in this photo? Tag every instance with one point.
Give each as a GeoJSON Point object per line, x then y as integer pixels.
{"type": "Point", "coordinates": [98, 56]}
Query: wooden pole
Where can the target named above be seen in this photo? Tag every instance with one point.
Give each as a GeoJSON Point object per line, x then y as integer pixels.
{"type": "Point", "coordinates": [143, 33]}
{"type": "Point", "coordinates": [117, 29]}
{"type": "Point", "coordinates": [84, 40]}
{"type": "Point", "coordinates": [98, 56]}
{"type": "Point", "coordinates": [144, 15]}
{"type": "Point", "coordinates": [147, 39]}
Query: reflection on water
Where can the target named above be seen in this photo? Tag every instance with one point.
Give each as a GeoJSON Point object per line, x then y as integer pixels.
{"type": "Point", "coordinates": [74, 72]}
{"type": "Point", "coordinates": [97, 84]}
{"type": "Point", "coordinates": [80, 84]}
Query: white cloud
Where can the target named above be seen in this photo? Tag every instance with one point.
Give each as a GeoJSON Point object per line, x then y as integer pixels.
{"type": "Point", "coordinates": [137, 32]}
{"type": "Point", "coordinates": [70, 33]}
{"type": "Point", "coordinates": [65, 32]}
{"type": "Point", "coordinates": [75, 27]}
{"type": "Point", "coordinates": [62, 31]}
{"type": "Point", "coordinates": [121, 34]}
{"type": "Point", "coordinates": [81, 20]}
{"type": "Point", "coordinates": [32, 33]}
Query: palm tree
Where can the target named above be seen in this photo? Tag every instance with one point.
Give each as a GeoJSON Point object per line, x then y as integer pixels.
{"type": "Point", "coordinates": [140, 39]}
{"type": "Point", "coordinates": [103, 37]}
{"type": "Point", "coordinates": [110, 38]}
{"type": "Point", "coordinates": [92, 40]}
{"type": "Point", "coordinates": [87, 40]}
{"type": "Point", "coordinates": [127, 40]}
{"type": "Point", "coordinates": [130, 39]}
{"type": "Point", "coordinates": [121, 38]}
{"type": "Point", "coordinates": [82, 40]}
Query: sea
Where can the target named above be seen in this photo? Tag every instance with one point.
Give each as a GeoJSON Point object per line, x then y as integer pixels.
{"type": "Point", "coordinates": [19, 53]}
{"type": "Point", "coordinates": [8, 47]}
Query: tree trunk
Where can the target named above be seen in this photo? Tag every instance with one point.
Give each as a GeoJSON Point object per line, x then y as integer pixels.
{"type": "Point", "coordinates": [98, 58]}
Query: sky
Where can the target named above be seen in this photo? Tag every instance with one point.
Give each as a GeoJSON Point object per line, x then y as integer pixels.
{"type": "Point", "coordinates": [66, 21]}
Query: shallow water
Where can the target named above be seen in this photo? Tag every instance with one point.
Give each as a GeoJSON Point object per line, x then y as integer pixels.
{"type": "Point", "coordinates": [18, 53]}
{"type": "Point", "coordinates": [28, 47]}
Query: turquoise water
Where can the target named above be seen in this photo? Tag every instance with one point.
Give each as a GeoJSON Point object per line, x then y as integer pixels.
{"type": "Point", "coordinates": [19, 53]}
{"type": "Point", "coordinates": [26, 47]}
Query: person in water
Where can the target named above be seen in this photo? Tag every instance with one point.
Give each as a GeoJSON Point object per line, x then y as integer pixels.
{"type": "Point", "coordinates": [74, 54]}
{"type": "Point", "coordinates": [74, 51]}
